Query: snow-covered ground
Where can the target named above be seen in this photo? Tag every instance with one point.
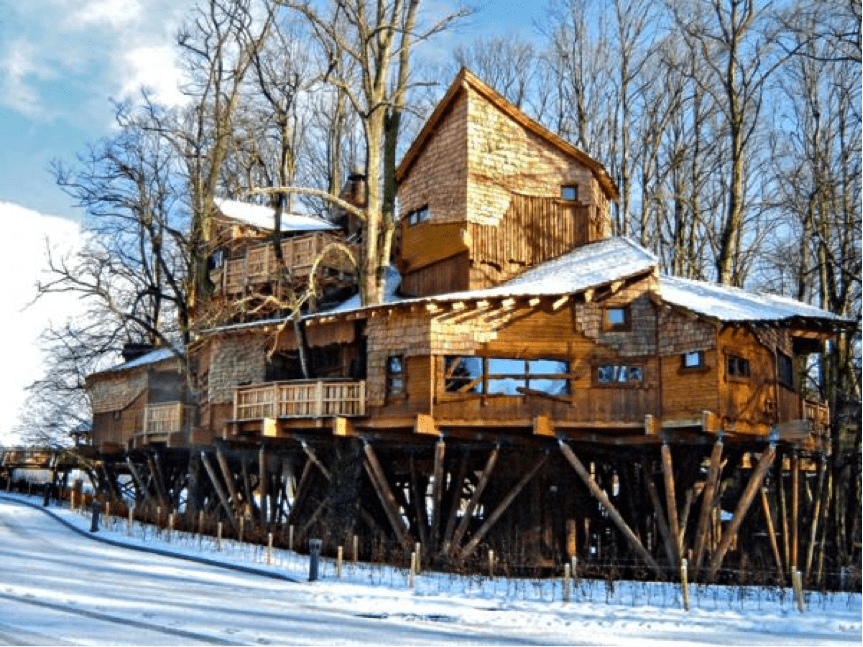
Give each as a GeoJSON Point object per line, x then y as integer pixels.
{"type": "Point", "coordinates": [62, 587]}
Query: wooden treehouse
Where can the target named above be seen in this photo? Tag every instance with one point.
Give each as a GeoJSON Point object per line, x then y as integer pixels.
{"type": "Point", "coordinates": [534, 386]}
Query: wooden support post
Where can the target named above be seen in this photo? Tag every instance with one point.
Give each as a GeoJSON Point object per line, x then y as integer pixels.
{"type": "Point", "coordinates": [711, 487]}
{"type": "Point", "coordinates": [501, 508]}
{"type": "Point", "coordinates": [263, 485]}
{"type": "Point", "coordinates": [816, 516]}
{"type": "Point", "coordinates": [313, 457]}
{"type": "Point", "coordinates": [220, 492]}
{"type": "Point", "coordinates": [229, 478]}
{"type": "Point", "coordinates": [388, 500]}
{"type": "Point", "coordinates": [455, 499]}
{"type": "Point", "coordinates": [456, 538]}
{"type": "Point", "coordinates": [157, 480]}
{"type": "Point", "coordinates": [752, 487]}
{"type": "Point", "coordinates": [138, 480]}
{"type": "Point", "coordinates": [671, 500]}
{"type": "Point", "coordinates": [419, 501]}
{"type": "Point", "coordinates": [795, 509]}
{"type": "Point", "coordinates": [437, 489]}
{"type": "Point", "coordinates": [599, 494]}
{"type": "Point", "coordinates": [667, 540]}
{"type": "Point", "coordinates": [300, 494]}
{"type": "Point", "coordinates": [771, 532]}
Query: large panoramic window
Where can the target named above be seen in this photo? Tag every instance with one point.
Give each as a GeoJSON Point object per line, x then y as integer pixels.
{"type": "Point", "coordinates": [505, 376]}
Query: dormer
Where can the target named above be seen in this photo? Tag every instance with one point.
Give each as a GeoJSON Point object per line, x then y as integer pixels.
{"type": "Point", "coordinates": [486, 192]}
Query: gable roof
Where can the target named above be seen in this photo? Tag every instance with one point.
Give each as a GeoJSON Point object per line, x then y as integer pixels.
{"type": "Point", "coordinates": [466, 78]}
{"type": "Point", "coordinates": [725, 303]}
{"type": "Point", "coordinates": [262, 217]}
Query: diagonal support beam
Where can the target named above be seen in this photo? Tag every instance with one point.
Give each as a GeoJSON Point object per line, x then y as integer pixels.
{"type": "Point", "coordinates": [708, 495]}
{"type": "Point", "coordinates": [660, 518]}
{"type": "Point", "coordinates": [220, 492]}
{"type": "Point", "coordinates": [597, 492]}
{"type": "Point", "coordinates": [141, 485]}
{"type": "Point", "coordinates": [501, 508]}
{"type": "Point", "coordinates": [671, 501]}
{"type": "Point", "coordinates": [437, 489]}
{"type": "Point", "coordinates": [229, 478]}
{"type": "Point", "coordinates": [472, 504]}
{"type": "Point", "coordinates": [752, 488]}
{"type": "Point", "coordinates": [388, 500]}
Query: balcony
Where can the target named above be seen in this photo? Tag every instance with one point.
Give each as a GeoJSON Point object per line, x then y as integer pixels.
{"type": "Point", "coordinates": [300, 399]}
{"type": "Point", "coordinates": [160, 421]}
{"type": "Point", "coordinates": [260, 266]}
{"type": "Point", "coordinates": [818, 414]}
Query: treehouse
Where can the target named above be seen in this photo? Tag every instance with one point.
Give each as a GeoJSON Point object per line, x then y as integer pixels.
{"type": "Point", "coordinates": [142, 402]}
{"type": "Point", "coordinates": [531, 384]}
{"type": "Point", "coordinates": [257, 262]}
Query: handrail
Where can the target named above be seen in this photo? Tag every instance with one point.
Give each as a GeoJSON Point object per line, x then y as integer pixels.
{"type": "Point", "coordinates": [300, 399]}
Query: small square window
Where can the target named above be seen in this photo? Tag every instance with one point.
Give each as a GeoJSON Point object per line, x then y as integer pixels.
{"type": "Point", "coordinates": [616, 318]}
{"type": "Point", "coordinates": [569, 192]}
{"type": "Point", "coordinates": [738, 367]}
{"type": "Point", "coordinates": [692, 359]}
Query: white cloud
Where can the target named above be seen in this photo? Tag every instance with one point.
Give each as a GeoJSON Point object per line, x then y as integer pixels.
{"type": "Point", "coordinates": [22, 264]}
{"type": "Point", "coordinates": [155, 68]}
{"type": "Point", "coordinates": [21, 71]}
{"type": "Point", "coordinates": [114, 13]}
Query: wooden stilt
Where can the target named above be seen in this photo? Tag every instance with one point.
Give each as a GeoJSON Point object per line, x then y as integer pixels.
{"type": "Point", "coordinates": [795, 510]}
{"type": "Point", "coordinates": [708, 494]}
{"type": "Point", "coordinates": [247, 489]}
{"type": "Point", "coordinates": [229, 479]}
{"type": "Point", "coordinates": [315, 516]}
{"type": "Point", "coordinates": [220, 492]}
{"type": "Point", "coordinates": [783, 516]}
{"type": "Point", "coordinates": [771, 532]}
{"type": "Point", "coordinates": [455, 499]}
{"type": "Point", "coordinates": [388, 500]}
{"type": "Point", "coordinates": [684, 518]}
{"type": "Point", "coordinates": [437, 490]}
{"type": "Point", "coordinates": [156, 474]}
{"type": "Point", "coordinates": [313, 457]}
{"type": "Point", "coordinates": [659, 513]}
{"type": "Point", "coordinates": [300, 493]}
{"type": "Point", "coordinates": [419, 501]}
{"type": "Point", "coordinates": [141, 485]}
{"type": "Point", "coordinates": [263, 485]}
{"type": "Point", "coordinates": [501, 508]}
{"type": "Point", "coordinates": [275, 494]}
{"type": "Point", "coordinates": [816, 516]}
{"type": "Point", "coordinates": [456, 538]}
{"type": "Point", "coordinates": [752, 487]}
{"type": "Point", "coordinates": [671, 501]}
{"type": "Point", "coordinates": [599, 494]}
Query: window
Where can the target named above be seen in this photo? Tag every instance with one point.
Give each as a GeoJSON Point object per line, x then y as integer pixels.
{"type": "Point", "coordinates": [785, 370]}
{"type": "Point", "coordinates": [616, 318]}
{"type": "Point", "coordinates": [737, 367]}
{"type": "Point", "coordinates": [417, 216]}
{"type": "Point", "coordinates": [505, 376]}
{"type": "Point", "coordinates": [692, 359]}
{"type": "Point", "coordinates": [395, 375]}
{"type": "Point", "coordinates": [569, 192]}
{"type": "Point", "coordinates": [618, 374]}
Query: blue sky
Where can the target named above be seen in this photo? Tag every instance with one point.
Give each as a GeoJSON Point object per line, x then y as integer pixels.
{"type": "Point", "coordinates": [63, 61]}
{"type": "Point", "coordinates": [61, 64]}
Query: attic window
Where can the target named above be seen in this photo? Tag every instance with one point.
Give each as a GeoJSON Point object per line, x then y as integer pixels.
{"type": "Point", "coordinates": [417, 216]}
{"type": "Point", "coordinates": [737, 367]}
{"type": "Point", "coordinates": [569, 192]}
{"type": "Point", "coordinates": [616, 318]}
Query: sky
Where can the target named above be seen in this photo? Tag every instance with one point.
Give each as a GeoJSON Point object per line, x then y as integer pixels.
{"type": "Point", "coordinates": [63, 64]}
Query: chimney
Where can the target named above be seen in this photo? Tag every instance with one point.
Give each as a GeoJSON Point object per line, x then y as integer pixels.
{"type": "Point", "coordinates": [132, 351]}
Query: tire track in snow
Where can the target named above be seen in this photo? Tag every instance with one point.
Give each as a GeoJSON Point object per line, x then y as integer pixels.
{"type": "Point", "coordinates": [126, 622]}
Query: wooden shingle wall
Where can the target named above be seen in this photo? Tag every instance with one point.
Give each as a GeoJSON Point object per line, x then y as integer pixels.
{"type": "Point", "coordinates": [235, 359]}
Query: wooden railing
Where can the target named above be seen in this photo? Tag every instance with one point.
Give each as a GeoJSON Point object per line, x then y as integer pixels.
{"type": "Point", "coordinates": [260, 265]}
{"type": "Point", "coordinates": [166, 418]}
{"type": "Point", "coordinates": [819, 415]}
{"type": "Point", "coordinates": [300, 399]}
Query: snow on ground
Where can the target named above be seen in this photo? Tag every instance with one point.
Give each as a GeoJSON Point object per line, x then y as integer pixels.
{"type": "Point", "coordinates": [160, 600]}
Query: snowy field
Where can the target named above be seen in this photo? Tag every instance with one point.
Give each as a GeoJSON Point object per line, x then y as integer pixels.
{"type": "Point", "coordinates": [59, 587]}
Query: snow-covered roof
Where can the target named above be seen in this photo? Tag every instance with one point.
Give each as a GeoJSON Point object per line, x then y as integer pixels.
{"type": "Point", "coordinates": [733, 304]}
{"type": "Point", "coordinates": [153, 357]}
{"type": "Point", "coordinates": [262, 217]}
